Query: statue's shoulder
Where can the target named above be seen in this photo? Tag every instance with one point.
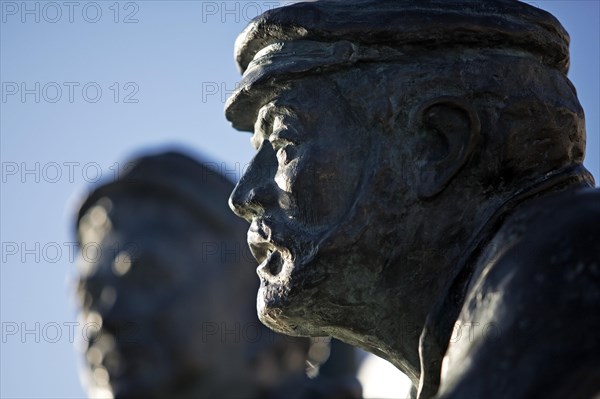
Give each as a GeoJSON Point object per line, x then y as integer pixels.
{"type": "Point", "coordinates": [551, 251]}
{"type": "Point", "coordinates": [560, 236]}
{"type": "Point", "coordinates": [552, 239]}
{"type": "Point", "coordinates": [571, 209]}
{"type": "Point", "coordinates": [530, 320]}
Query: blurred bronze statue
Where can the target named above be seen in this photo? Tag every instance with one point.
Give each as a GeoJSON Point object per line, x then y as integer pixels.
{"type": "Point", "coordinates": [418, 191]}
{"type": "Point", "coordinates": [166, 274]}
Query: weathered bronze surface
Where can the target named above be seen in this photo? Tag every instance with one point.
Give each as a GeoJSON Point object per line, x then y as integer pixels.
{"type": "Point", "coordinates": [418, 191]}
{"type": "Point", "coordinates": [167, 276]}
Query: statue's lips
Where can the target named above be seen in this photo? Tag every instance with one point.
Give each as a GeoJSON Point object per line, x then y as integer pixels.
{"type": "Point", "coordinates": [264, 250]}
{"type": "Point", "coordinates": [267, 255]}
{"type": "Point", "coordinates": [260, 249]}
{"type": "Point", "coordinates": [260, 240]}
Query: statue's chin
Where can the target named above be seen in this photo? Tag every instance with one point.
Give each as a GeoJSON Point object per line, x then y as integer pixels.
{"type": "Point", "coordinates": [295, 293]}
{"type": "Point", "coordinates": [284, 314]}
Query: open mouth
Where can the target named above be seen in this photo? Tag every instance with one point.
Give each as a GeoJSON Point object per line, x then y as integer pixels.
{"type": "Point", "coordinates": [269, 258]}
{"type": "Point", "coordinates": [272, 265]}
{"type": "Point", "coordinates": [264, 250]}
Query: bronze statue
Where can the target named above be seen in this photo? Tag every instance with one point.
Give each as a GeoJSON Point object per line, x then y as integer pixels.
{"type": "Point", "coordinates": [166, 274]}
{"type": "Point", "coordinates": [418, 191]}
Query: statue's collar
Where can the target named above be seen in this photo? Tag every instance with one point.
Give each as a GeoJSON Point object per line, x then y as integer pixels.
{"type": "Point", "coordinates": [440, 322]}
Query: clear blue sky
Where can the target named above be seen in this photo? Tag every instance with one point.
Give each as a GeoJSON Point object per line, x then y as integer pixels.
{"type": "Point", "coordinates": [113, 79]}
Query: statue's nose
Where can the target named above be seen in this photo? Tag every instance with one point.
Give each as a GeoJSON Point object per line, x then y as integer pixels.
{"type": "Point", "coordinates": [256, 191]}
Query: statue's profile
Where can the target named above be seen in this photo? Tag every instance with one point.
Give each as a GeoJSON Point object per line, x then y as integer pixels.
{"type": "Point", "coordinates": [167, 276]}
{"type": "Point", "coordinates": [418, 191]}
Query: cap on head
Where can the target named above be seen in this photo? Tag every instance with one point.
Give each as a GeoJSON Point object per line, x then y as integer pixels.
{"type": "Point", "coordinates": [190, 183]}
{"type": "Point", "coordinates": [331, 34]}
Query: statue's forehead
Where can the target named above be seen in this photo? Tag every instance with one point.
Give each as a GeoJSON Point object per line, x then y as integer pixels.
{"type": "Point", "coordinates": [297, 96]}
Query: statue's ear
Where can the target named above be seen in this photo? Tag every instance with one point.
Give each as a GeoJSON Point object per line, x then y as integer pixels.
{"type": "Point", "coordinates": [447, 130]}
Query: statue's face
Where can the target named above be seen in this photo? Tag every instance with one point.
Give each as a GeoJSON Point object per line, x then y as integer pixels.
{"type": "Point", "coordinates": [162, 293]}
{"type": "Point", "coordinates": [300, 187]}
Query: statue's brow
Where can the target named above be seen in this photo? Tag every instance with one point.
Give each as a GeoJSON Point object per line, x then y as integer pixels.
{"type": "Point", "coordinates": [265, 118]}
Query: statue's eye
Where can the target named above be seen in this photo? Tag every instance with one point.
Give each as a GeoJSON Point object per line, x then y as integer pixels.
{"type": "Point", "coordinates": [284, 144]}
{"type": "Point", "coordinates": [281, 139]}
{"type": "Point", "coordinates": [286, 153]}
